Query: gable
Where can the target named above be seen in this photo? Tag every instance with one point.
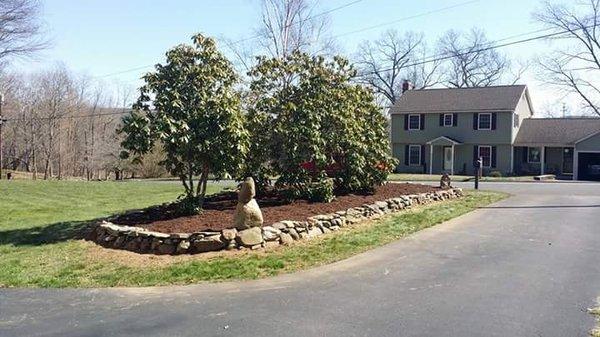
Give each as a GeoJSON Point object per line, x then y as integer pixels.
{"type": "Point", "coordinates": [589, 143]}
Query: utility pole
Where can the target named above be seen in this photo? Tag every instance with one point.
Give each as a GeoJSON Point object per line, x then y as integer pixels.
{"type": "Point", "coordinates": [2, 120]}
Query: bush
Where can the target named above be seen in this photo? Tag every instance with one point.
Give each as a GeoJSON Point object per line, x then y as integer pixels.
{"type": "Point", "coordinates": [495, 174]}
{"type": "Point", "coordinates": [320, 125]}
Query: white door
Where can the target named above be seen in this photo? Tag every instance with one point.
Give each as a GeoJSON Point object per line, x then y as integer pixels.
{"type": "Point", "coordinates": [447, 159]}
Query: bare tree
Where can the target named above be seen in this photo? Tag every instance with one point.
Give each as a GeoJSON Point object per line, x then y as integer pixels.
{"type": "Point", "coordinates": [386, 62]}
{"type": "Point", "coordinates": [471, 63]}
{"type": "Point", "coordinates": [575, 65]}
{"type": "Point", "coordinates": [286, 26]}
{"type": "Point", "coordinates": [21, 32]}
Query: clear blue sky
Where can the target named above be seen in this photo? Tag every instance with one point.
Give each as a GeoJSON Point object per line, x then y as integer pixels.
{"type": "Point", "coordinates": [100, 37]}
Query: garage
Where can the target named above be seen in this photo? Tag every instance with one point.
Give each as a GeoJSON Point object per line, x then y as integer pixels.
{"type": "Point", "coordinates": [589, 166]}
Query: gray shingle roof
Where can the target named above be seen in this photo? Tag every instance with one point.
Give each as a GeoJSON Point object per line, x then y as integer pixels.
{"type": "Point", "coordinates": [498, 98]}
{"type": "Point", "coordinates": [565, 131]}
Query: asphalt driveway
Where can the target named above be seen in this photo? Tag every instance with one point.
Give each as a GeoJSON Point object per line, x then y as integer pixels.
{"type": "Point", "coordinates": [527, 266]}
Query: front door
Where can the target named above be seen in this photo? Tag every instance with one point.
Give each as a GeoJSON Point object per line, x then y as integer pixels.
{"type": "Point", "coordinates": [567, 166]}
{"type": "Point", "coordinates": [448, 158]}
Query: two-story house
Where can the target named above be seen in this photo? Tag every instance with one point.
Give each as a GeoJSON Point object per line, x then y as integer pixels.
{"type": "Point", "coordinates": [446, 130]}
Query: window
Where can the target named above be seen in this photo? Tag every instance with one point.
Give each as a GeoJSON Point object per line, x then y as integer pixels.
{"type": "Point", "coordinates": [516, 121]}
{"type": "Point", "coordinates": [485, 153]}
{"type": "Point", "coordinates": [484, 121]}
{"type": "Point", "coordinates": [533, 154]}
{"type": "Point", "coordinates": [414, 155]}
{"type": "Point", "coordinates": [414, 122]}
{"type": "Point", "coordinates": [448, 119]}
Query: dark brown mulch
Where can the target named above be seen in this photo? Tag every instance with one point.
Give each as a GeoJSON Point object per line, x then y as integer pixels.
{"type": "Point", "coordinates": [218, 212]}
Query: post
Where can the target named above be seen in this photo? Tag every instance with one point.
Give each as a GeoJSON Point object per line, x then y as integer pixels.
{"type": "Point", "coordinates": [542, 160]}
{"type": "Point", "coordinates": [478, 166]}
{"type": "Point", "coordinates": [430, 159]}
{"type": "Point", "coordinates": [452, 165]}
{"type": "Point", "coordinates": [2, 120]}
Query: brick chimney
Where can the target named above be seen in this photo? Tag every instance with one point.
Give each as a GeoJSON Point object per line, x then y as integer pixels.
{"type": "Point", "coordinates": [406, 86]}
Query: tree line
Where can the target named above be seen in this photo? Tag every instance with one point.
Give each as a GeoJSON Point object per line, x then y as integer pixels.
{"type": "Point", "coordinates": [60, 124]}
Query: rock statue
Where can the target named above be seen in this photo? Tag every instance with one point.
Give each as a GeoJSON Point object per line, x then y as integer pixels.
{"type": "Point", "coordinates": [445, 181]}
{"type": "Point", "coordinates": [247, 213]}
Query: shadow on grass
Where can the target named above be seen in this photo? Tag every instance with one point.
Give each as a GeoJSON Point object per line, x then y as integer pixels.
{"type": "Point", "coordinates": [47, 234]}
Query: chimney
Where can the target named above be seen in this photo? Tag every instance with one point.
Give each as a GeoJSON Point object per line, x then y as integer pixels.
{"type": "Point", "coordinates": [406, 85]}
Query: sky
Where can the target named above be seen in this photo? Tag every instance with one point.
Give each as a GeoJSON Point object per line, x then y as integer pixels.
{"type": "Point", "coordinates": [116, 41]}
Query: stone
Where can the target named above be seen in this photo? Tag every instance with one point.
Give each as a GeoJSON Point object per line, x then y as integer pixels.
{"type": "Point", "coordinates": [286, 239]}
{"type": "Point", "coordinates": [247, 213]}
{"type": "Point", "coordinates": [229, 234]}
{"type": "Point", "coordinates": [294, 234]}
{"type": "Point", "coordinates": [184, 236]}
{"type": "Point", "coordinates": [315, 231]}
{"type": "Point", "coordinates": [270, 234]}
{"type": "Point", "coordinates": [335, 228]}
{"type": "Point", "coordinates": [145, 245]}
{"type": "Point", "coordinates": [279, 225]}
{"type": "Point", "coordinates": [132, 245]}
{"type": "Point", "coordinates": [271, 244]}
{"type": "Point", "coordinates": [119, 242]}
{"type": "Point", "coordinates": [183, 246]}
{"type": "Point", "coordinates": [289, 224]}
{"type": "Point", "coordinates": [445, 181]}
{"type": "Point", "coordinates": [208, 244]}
{"type": "Point", "coordinates": [250, 237]}
{"type": "Point", "coordinates": [166, 249]}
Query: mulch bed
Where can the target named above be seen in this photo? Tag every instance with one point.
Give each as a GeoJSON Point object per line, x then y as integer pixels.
{"type": "Point", "coordinates": [218, 211]}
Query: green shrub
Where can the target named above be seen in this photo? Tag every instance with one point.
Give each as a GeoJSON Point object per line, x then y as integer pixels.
{"type": "Point", "coordinates": [495, 174]}
{"type": "Point", "coordinates": [321, 191]}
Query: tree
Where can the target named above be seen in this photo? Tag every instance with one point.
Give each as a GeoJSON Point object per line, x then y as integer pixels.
{"type": "Point", "coordinates": [469, 63]}
{"type": "Point", "coordinates": [20, 28]}
{"type": "Point", "coordinates": [322, 125]}
{"type": "Point", "coordinates": [386, 62]}
{"type": "Point", "coordinates": [190, 106]}
{"type": "Point", "coordinates": [575, 65]}
{"type": "Point", "coordinates": [286, 26]}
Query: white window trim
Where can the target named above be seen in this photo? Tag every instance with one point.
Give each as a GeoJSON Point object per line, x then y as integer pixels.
{"type": "Point", "coordinates": [451, 120]}
{"type": "Point", "coordinates": [419, 127]}
{"type": "Point", "coordinates": [420, 155]}
{"type": "Point", "coordinates": [534, 147]}
{"type": "Point", "coordinates": [479, 155]}
{"type": "Point", "coordinates": [479, 120]}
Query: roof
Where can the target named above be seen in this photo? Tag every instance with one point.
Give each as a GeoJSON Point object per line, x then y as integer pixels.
{"type": "Point", "coordinates": [495, 98]}
{"type": "Point", "coordinates": [565, 131]}
{"type": "Point", "coordinates": [446, 139]}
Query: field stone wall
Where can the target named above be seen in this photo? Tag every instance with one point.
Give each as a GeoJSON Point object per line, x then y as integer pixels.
{"type": "Point", "coordinates": [284, 232]}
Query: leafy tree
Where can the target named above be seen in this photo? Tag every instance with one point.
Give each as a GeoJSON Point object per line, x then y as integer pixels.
{"type": "Point", "coordinates": [190, 106]}
{"type": "Point", "coordinates": [323, 125]}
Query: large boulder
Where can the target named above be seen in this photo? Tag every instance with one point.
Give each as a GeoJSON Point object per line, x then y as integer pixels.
{"type": "Point", "coordinates": [250, 237]}
{"type": "Point", "coordinates": [247, 213]}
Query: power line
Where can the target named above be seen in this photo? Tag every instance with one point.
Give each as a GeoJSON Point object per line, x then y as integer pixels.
{"type": "Point", "coordinates": [495, 46]}
{"type": "Point", "coordinates": [71, 116]}
{"type": "Point", "coordinates": [248, 38]}
{"type": "Point", "coordinates": [424, 61]}
{"type": "Point", "coordinates": [443, 9]}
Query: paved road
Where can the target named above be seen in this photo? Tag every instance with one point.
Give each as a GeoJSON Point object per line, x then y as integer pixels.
{"type": "Point", "coordinates": [527, 266]}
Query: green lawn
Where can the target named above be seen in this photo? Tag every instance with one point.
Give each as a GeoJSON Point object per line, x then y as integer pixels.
{"type": "Point", "coordinates": [40, 220]}
{"type": "Point", "coordinates": [436, 177]}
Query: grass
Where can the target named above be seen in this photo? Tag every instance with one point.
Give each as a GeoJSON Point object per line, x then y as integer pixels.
{"type": "Point", "coordinates": [436, 177]}
{"type": "Point", "coordinates": [596, 312]}
{"type": "Point", "coordinates": [40, 219]}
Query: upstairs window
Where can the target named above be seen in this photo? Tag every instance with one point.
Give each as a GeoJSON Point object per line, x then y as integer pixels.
{"type": "Point", "coordinates": [516, 121]}
{"type": "Point", "coordinates": [534, 154]}
{"type": "Point", "coordinates": [414, 122]}
{"type": "Point", "coordinates": [448, 119]}
{"type": "Point", "coordinates": [484, 121]}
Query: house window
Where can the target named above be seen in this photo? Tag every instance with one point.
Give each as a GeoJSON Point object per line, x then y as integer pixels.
{"type": "Point", "coordinates": [414, 122]}
{"type": "Point", "coordinates": [485, 153]}
{"type": "Point", "coordinates": [534, 154]}
{"type": "Point", "coordinates": [516, 121]}
{"type": "Point", "coordinates": [484, 121]}
{"type": "Point", "coordinates": [448, 119]}
{"type": "Point", "coordinates": [414, 155]}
